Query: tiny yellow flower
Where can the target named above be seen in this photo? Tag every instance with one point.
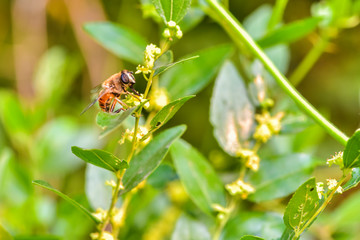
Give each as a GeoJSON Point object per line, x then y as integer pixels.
{"type": "Point", "coordinates": [251, 158]}
{"type": "Point", "coordinates": [110, 183]}
{"type": "Point", "coordinates": [166, 33]}
{"type": "Point", "coordinates": [337, 159]}
{"type": "Point", "coordinates": [151, 54]}
{"type": "Point", "coordinates": [332, 183]}
{"type": "Point", "coordinates": [118, 217]}
{"type": "Point", "coordinates": [239, 188]}
{"type": "Point", "coordinates": [320, 189]}
{"type": "Point", "coordinates": [159, 98]}
{"type": "Point", "coordinates": [262, 133]}
{"type": "Point", "coordinates": [100, 214]}
{"type": "Point", "coordinates": [105, 236]}
{"type": "Point", "coordinates": [171, 24]}
{"type": "Point", "coordinates": [176, 192]}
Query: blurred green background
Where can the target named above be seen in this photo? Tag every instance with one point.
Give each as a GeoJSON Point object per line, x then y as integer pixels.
{"type": "Point", "coordinates": [48, 65]}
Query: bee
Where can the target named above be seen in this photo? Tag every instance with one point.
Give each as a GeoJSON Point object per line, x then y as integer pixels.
{"type": "Point", "coordinates": [111, 90]}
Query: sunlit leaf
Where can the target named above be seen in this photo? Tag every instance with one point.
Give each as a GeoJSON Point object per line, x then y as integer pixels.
{"type": "Point", "coordinates": [121, 41]}
{"type": "Point", "coordinates": [164, 68]}
{"type": "Point", "coordinates": [280, 176]}
{"type": "Point", "coordinates": [167, 112]}
{"type": "Point", "coordinates": [352, 151]}
{"type": "Point", "coordinates": [190, 229]}
{"type": "Point", "coordinates": [173, 10]}
{"type": "Point", "coordinates": [302, 206]}
{"type": "Point", "coordinates": [150, 157]}
{"type": "Point", "coordinates": [268, 225]}
{"type": "Point", "coordinates": [192, 76]}
{"type": "Point", "coordinates": [231, 112]}
{"type": "Point", "coordinates": [248, 237]}
{"type": "Point", "coordinates": [198, 177]}
{"type": "Point", "coordinates": [354, 180]}
{"type": "Point", "coordinates": [46, 185]}
{"type": "Point", "coordinates": [289, 32]}
{"type": "Point", "coordinates": [165, 59]}
{"type": "Point", "coordinates": [100, 158]}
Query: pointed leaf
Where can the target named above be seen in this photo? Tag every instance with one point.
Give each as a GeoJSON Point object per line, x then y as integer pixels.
{"type": "Point", "coordinates": [165, 59]}
{"type": "Point", "coordinates": [231, 112]}
{"type": "Point", "coordinates": [302, 206]}
{"type": "Point", "coordinates": [150, 157]}
{"type": "Point", "coordinates": [289, 32]}
{"type": "Point", "coordinates": [46, 185]}
{"type": "Point", "coordinates": [167, 112]}
{"type": "Point", "coordinates": [198, 177]}
{"type": "Point", "coordinates": [192, 76]}
{"type": "Point", "coordinates": [121, 41]}
{"type": "Point", "coordinates": [352, 151]}
{"type": "Point", "coordinates": [164, 68]}
{"type": "Point", "coordinates": [190, 229]}
{"type": "Point", "coordinates": [172, 10]}
{"type": "Point", "coordinates": [280, 176]}
{"type": "Point", "coordinates": [354, 180]}
{"type": "Point", "coordinates": [100, 158]}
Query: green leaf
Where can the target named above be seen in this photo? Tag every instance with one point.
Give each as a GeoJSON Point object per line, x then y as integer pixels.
{"type": "Point", "coordinates": [302, 206]}
{"type": "Point", "coordinates": [198, 177]}
{"type": "Point", "coordinates": [150, 157]}
{"type": "Point", "coordinates": [100, 158]}
{"type": "Point", "coordinates": [192, 76]}
{"type": "Point", "coordinates": [165, 59]}
{"type": "Point", "coordinates": [164, 68]}
{"type": "Point", "coordinates": [119, 40]}
{"type": "Point", "coordinates": [354, 180]}
{"type": "Point", "coordinates": [295, 123]}
{"type": "Point", "coordinates": [4, 235]}
{"type": "Point", "coordinates": [280, 176]}
{"type": "Point", "coordinates": [193, 17]}
{"type": "Point", "coordinates": [46, 185]}
{"type": "Point", "coordinates": [110, 122]}
{"type": "Point", "coordinates": [190, 229]}
{"type": "Point", "coordinates": [248, 237]}
{"type": "Point", "coordinates": [288, 234]}
{"type": "Point", "coordinates": [167, 112]}
{"type": "Point", "coordinates": [172, 10]}
{"type": "Point", "coordinates": [289, 32]}
{"type": "Point", "coordinates": [256, 23]}
{"type": "Point", "coordinates": [231, 111]}
{"type": "Point", "coordinates": [352, 151]}
{"type": "Point", "coordinates": [268, 225]}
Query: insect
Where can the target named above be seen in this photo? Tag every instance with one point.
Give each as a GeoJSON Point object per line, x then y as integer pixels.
{"type": "Point", "coordinates": [112, 89]}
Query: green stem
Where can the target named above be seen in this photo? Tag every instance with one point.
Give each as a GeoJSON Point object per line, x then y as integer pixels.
{"type": "Point", "coordinates": [308, 62]}
{"type": "Point", "coordinates": [321, 208]}
{"type": "Point", "coordinates": [221, 224]}
{"type": "Point", "coordinates": [230, 23]}
{"type": "Point", "coordinates": [277, 14]}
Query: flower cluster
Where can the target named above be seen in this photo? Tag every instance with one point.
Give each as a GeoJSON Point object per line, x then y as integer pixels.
{"type": "Point", "coordinates": [172, 30]}
{"type": "Point", "coordinates": [250, 157]}
{"type": "Point", "coordinates": [331, 184]}
{"type": "Point", "coordinates": [133, 101]}
{"type": "Point", "coordinates": [158, 99]}
{"type": "Point", "coordinates": [105, 236]}
{"type": "Point", "coordinates": [268, 126]}
{"type": "Point", "coordinates": [239, 187]}
{"type": "Point", "coordinates": [222, 211]}
{"type": "Point", "coordinates": [337, 159]}
{"type": "Point", "coordinates": [151, 53]}
{"type": "Point", "coordinates": [141, 132]}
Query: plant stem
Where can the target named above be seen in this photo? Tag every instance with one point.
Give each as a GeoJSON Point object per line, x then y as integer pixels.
{"type": "Point", "coordinates": [309, 61]}
{"type": "Point", "coordinates": [221, 224]}
{"type": "Point", "coordinates": [277, 14]}
{"type": "Point", "coordinates": [232, 25]}
{"type": "Point", "coordinates": [321, 208]}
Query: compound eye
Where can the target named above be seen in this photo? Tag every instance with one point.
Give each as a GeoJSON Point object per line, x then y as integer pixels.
{"type": "Point", "coordinates": [124, 78]}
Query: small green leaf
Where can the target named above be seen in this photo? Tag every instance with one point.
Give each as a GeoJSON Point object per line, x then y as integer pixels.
{"type": "Point", "coordinates": [46, 185]}
{"type": "Point", "coordinates": [231, 111]}
{"type": "Point", "coordinates": [302, 206]}
{"type": "Point", "coordinates": [173, 10]}
{"type": "Point", "coordinates": [164, 68]}
{"type": "Point", "coordinates": [295, 123]}
{"type": "Point", "coordinates": [110, 122]}
{"type": "Point", "coordinates": [100, 158]}
{"type": "Point", "coordinates": [256, 22]}
{"type": "Point", "coordinates": [198, 177]}
{"type": "Point", "coordinates": [193, 17]}
{"type": "Point", "coordinates": [167, 112]}
{"type": "Point", "coordinates": [119, 40]}
{"type": "Point", "coordinates": [248, 237]}
{"type": "Point", "coordinates": [192, 76]}
{"type": "Point", "coordinates": [289, 32]}
{"type": "Point", "coordinates": [190, 229]}
{"type": "Point", "coordinates": [4, 235]}
{"type": "Point", "coordinates": [352, 151]}
{"type": "Point", "coordinates": [150, 157]}
{"type": "Point", "coordinates": [165, 59]}
{"type": "Point", "coordinates": [279, 176]}
{"type": "Point", "coordinates": [354, 180]}
{"type": "Point", "coordinates": [263, 224]}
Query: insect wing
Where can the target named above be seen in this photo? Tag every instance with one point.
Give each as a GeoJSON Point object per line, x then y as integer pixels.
{"type": "Point", "coordinates": [93, 102]}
